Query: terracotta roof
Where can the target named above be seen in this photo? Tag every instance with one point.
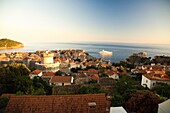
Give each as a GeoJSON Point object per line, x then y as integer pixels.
{"type": "Point", "coordinates": [56, 104]}
{"type": "Point", "coordinates": [156, 67]}
{"type": "Point", "coordinates": [71, 61]}
{"type": "Point", "coordinates": [7, 95]}
{"type": "Point", "coordinates": [124, 73]}
{"type": "Point", "coordinates": [81, 75]}
{"type": "Point", "coordinates": [142, 71]}
{"type": "Point", "coordinates": [63, 79]}
{"type": "Point", "coordinates": [110, 72]}
{"type": "Point", "coordinates": [160, 72]}
{"type": "Point", "coordinates": [104, 81]}
{"type": "Point", "coordinates": [85, 63]}
{"type": "Point", "coordinates": [82, 71]}
{"type": "Point", "coordinates": [95, 76]}
{"type": "Point", "coordinates": [36, 72]}
{"type": "Point", "coordinates": [152, 77]}
{"type": "Point", "coordinates": [93, 71]}
{"type": "Point", "coordinates": [114, 68]}
{"type": "Point", "coordinates": [49, 74]}
{"type": "Point", "coordinates": [104, 65]}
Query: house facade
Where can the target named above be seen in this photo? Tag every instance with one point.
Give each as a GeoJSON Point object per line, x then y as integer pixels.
{"type": "Point", "coordinates": [35, 73]}
{"type": "Point", "coordinates": [112, 74]}
{"type": "Point", "coordinates": [61, 80]}
{"type": "Point", "coordinates": [151, 81]}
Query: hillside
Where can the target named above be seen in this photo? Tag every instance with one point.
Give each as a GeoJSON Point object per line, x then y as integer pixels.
{"type": "Point", "coordinates": [10, 44]}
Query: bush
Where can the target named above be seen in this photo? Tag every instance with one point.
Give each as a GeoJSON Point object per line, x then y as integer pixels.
{"type": "Point", "coordinates": [117, 100]}
{"type": "Point", "coordinates": [161, 89]}
{"type": "Point", "coordinates": [91, 89]}
{"type": "Point", "coordinates": [3, 102]}
{"type": "Point", "coordinates": [143, 102]}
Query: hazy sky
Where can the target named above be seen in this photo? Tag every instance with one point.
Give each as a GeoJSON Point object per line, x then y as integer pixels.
{"type": "Point", "coordinates": [141, 21]}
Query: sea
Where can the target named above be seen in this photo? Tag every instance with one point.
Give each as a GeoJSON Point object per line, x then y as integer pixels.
{"type": "Point", "coordinates": [120, 51]}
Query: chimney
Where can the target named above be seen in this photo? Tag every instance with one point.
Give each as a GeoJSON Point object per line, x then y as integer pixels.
{"type": "Point", "coordinates": [108, 103]}
{"type": "Point", "coordinates": [91, 107]}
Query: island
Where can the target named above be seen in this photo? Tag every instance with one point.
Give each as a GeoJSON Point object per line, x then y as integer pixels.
{"type": "Point", "coordinates": [10, 44]}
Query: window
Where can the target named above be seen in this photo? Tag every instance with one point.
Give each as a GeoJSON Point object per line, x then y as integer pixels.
{"type": "Point", "coordinates": [153, 84]}
{"type": "Point", "coordinates": [146, 81]}
{"type": "Point", "coordinates": [144, 85]}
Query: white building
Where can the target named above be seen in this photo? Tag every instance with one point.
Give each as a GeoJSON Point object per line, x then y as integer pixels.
{"type": "Point", "coordinates": [151, 81]}
{"type": "Point", "coordinates": [112, 74]}
{"type": "Point", "coordinates": [35, 73]}
{"type": "Point", "coordinates": [117, 110]}
{"type": "Point", "coordinates": [164, 107]}
{"type": "Point", "coordinates": [61, 80]}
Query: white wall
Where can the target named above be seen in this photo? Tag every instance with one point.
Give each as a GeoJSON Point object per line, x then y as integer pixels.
{"type": "Point", "coordinates": [114, 76]}
{"type": "Point", "coordinates": [147, 82]}
{"type": "Point", "coordinates": [60, 84]}
{"type": "Point", "coordinates": [34, 75]}
{"type": "Point", "coordinates": [151, 83]}
{"type": "Point", "coordinates": [47, 58]}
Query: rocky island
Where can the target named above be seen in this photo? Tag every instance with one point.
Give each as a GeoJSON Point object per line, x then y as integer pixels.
{"type": "Point", "coordinates": [9, 44]}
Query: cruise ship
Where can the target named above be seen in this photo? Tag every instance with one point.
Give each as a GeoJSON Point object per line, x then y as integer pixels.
{"type": "Point", "coordinates": [103, 52]}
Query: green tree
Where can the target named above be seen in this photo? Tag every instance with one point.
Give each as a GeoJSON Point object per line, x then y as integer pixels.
{"type": "Point", "coordinates": [3, 102]}
{"type": "Point", "coordinates": [161, 89]}
{"type": "Point", "coordinates": [14, 77]}
{"type": "Point", "coordinates": [15, 69]}
{"type": "Point", "coordinates": [39, 84]}
{"type": "Point", "coordinates": [91, 89]}
{"type": "Point", "coordinates": [125, 86]}
{"type": "Point", "coordinates": [39, 91]}
{"type": "Point", "coordinates": [22, 84]}
{"type": "Point", "coordinates": [117, 100]}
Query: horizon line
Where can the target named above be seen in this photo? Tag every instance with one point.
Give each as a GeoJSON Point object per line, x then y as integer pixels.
{"type": "Point", "coordinates": [95, 42]}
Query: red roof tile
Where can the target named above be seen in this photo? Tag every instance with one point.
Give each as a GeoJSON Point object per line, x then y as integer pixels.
{"type": "Point", "coordinates": [156, 67]}
{"type": "Point", "coordinates": [63, 79]}
{"type": "Point", "coordinates": [95, 76]}
{"type": "Point", "coordinates": [36, 72]}
{"type": "Point", "coordinates": [111, 72]}
{"type": "Point", "coordinates": [56, 104]}
{"type": "Point", "coordinates": [49, 74]}
{"type": "Point", "coordinates": [153, 77]}
{"type": "Point", "coordinates": [104, 65]}
{"type": "Point", "coordinates": [7, 95]}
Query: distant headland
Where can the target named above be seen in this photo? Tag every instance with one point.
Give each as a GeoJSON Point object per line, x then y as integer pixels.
{"type": "Point", "coordinates": [10, 44]}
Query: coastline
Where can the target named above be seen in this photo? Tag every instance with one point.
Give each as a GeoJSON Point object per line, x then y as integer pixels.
{"type": "Point", "coordinates": [13, 47]}
{"type": "Point", "coordinates": [120, 51]}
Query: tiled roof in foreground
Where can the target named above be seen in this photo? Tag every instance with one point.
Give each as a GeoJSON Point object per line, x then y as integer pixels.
{"type": "Point", "coordinates": [57, 104]}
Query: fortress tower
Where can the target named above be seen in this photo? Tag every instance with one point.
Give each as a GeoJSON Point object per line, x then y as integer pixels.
{"type": "Point", "coordinates": [47, 63]}
{"type": "Point", "coordinates": [47, 58]}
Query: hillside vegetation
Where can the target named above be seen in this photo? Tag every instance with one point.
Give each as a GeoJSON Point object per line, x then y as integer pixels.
{"type": "Point", "coordinates": [10, 44]}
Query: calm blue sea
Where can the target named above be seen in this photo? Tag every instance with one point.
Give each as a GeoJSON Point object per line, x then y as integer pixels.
{"type": "Point", "coordinates": [120, 50]}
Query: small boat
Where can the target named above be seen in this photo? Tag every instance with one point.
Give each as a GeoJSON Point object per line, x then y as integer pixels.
{"type": "Point", "coordinates": [103, 52]}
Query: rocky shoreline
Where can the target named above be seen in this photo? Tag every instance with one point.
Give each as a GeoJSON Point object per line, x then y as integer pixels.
{"type": "Point", "coordinates": [13, 47]}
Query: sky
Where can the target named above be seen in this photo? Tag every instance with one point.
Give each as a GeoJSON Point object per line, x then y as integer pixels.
{"type": "Point", "coordinates": [128, 21]}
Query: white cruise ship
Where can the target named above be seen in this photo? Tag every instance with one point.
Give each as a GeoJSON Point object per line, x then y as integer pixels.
{"type": "Point", "coordinates": [103, 52]}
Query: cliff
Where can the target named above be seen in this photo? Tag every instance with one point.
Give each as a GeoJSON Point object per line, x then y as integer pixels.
{"type": "Point", "coordinates": [10, 44]}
